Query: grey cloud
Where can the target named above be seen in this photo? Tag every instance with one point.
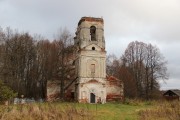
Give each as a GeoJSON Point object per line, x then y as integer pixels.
{"type": "Point", "coordinates": [150, 21]}
{"type": "Point", "coordinates": [147, 18]}
{"type": "Point", "coordinates": [171, 53]}
{"type": "Point", "coordinates": [170, 84]}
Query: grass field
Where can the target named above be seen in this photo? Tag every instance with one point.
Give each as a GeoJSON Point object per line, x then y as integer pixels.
{"type": "Point", "coordinates": [133, 110]}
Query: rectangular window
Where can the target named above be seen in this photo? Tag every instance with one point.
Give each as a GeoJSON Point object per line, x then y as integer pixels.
{"type": "Point", "coordinates": [92, 68]}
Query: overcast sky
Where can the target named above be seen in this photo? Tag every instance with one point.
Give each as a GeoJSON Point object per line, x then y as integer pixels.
{"type": "Point", "coordinates": [149, 21]}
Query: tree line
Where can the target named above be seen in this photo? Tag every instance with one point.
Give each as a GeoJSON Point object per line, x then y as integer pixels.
{"type": "Point", "coordinates": [141, 67]}
{"type": "Point", "coordinates": [27, 63]}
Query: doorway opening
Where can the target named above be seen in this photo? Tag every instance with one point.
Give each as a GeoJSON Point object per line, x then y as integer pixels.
{"type": "Point", "coordinates": [92, 98]}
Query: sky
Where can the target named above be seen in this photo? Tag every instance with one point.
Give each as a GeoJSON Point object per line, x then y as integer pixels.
{"type": "Point", "coordinates": [150, 21]}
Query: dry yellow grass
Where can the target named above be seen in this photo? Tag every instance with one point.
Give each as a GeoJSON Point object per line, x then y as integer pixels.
{"type": "Point", "coordinates": [129, 110]}
{"type": "Point", "coordinates": [162, 111]}
{"type": "Point", "coordinates": [44, 111]}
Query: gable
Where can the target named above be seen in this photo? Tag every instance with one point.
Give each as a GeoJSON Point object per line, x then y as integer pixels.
{"type": "Point", "coordinates": [177, 92]}
{"type": "Point", "coordinates": [172, 93]}
{"type": "Point", "coordinates": [93, 47]}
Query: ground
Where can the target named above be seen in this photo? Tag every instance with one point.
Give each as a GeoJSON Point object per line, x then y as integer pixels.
{"type": "Point", "coordinates": [129, 110]}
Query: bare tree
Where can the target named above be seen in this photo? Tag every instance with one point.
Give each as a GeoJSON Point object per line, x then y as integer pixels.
{"type": "Point", "coordinates": [147, 65]}
{"type": "Point", "coordinates": [17, 60]}
{"type": "Point", "coordinates": [155, 69]}
{"type": "Point", "coordinates": [112, 65]}
{"type": "Point", "coordinates": [133, 58]}
{"type": "Point", "coordinates": [66, 57]}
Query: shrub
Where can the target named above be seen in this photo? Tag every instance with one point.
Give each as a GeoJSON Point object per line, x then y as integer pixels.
{"type": "Point", "coordinates": [5, 92]}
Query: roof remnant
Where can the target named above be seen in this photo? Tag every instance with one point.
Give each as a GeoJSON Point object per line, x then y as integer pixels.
{"type": "Point", "coordinates": [91, 19]}
{"type": "Point", "coordinates": [176, 91]}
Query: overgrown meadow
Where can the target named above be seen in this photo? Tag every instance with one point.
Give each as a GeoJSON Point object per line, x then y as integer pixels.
{"type": "Point", "coordinates": [128, 110]}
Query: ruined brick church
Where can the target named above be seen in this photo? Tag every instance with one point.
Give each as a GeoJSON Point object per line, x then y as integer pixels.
{"type": "Point", "coordinates": [92, 85]}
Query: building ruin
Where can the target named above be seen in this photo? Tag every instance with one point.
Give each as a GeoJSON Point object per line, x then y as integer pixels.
{"type": "Point", "coordinates": [92, 84]}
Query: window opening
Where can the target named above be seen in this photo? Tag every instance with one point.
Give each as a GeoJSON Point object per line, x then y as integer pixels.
{"type": "Point", "coordinates": [93, 33]}
{"type": "Point", "coordinates": [92, 69]}
{"type": "Point", "coordinates": [93, 48]}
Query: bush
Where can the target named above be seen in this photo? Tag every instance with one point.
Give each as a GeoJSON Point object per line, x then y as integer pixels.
{"type": "Point", "coordinates": [6, 93]}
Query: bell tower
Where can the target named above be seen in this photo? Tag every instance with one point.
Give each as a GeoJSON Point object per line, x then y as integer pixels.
{"type": "Point", "coordinates": [90, 60]}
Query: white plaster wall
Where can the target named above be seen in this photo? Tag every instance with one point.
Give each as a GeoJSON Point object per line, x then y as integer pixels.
{"type": "Point", "coordinates": [86, 79]}
{"type": "Point", "coordinates": [115, 89]}
{"type": "Point", "coordinates": [97, 88]}
{"type": "Point", "coordinates": [86, 56]}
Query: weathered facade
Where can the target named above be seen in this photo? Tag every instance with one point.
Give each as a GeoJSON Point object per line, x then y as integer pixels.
{"type": "Point", "coordinates": [91, 60]}
{"type": "Point", "coordinates": [53, 90]}
{"type": "Point", "coordinates": [114, 89]}
{"type": "Point", "coordinates": [92, 84]}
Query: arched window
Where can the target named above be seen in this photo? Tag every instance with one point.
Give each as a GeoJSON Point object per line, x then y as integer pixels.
{"type": "Point", "coordinates": [93, 33]}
